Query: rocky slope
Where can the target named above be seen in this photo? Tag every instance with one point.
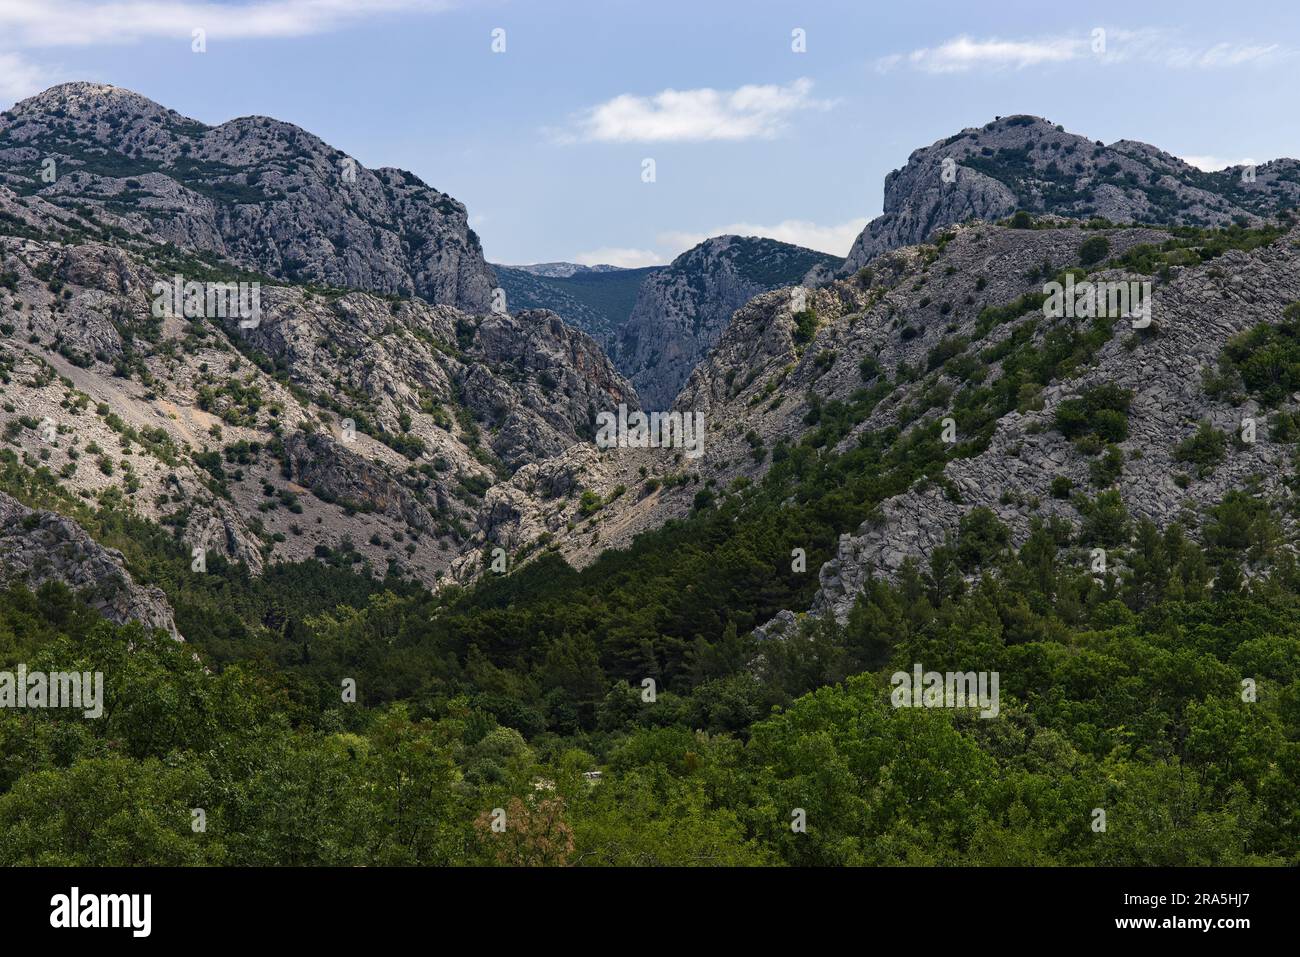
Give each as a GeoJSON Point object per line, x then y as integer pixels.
{"type": "Point", "coordinates": [355, 425]}
{"type": "Point", "coordinates": [681, 311]}
{"type": "Point", "coordinates": [40, 546]}
{"type": "Point", "coordinates": [932, 331]}
{"type": "Point", "coordinates": [1020, 476]}
{"type": "Point", "coordinates": [343, 425]}
{"type": "Point", "coordinates": [1026, 162]}
{"type": "Point", "coordinates": [254, 191]}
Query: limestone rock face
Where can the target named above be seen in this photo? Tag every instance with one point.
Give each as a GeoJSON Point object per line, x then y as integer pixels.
{"type": "Point", "coordinates": [258, 192]}
{"type": "Point", "coordinates": [337, 420]}
{"type": "Point", "coordinates": [1026, 162]}
{"type": "Point", "coordinates": [1195, 311]}
{"type": "Point", "coordinates": [38, 546]}
{"type": "Point", "coordinates": [681, 311]}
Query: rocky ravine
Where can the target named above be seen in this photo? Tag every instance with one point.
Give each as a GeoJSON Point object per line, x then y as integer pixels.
{"type": "Point", "coordinates": [658, 322]}
{"type": "Point", "coordinates": [920, 308]}
{"type": "Point", "coordinates": [753, 388]}
{"type": "Point", "coordinates": [681, 311]}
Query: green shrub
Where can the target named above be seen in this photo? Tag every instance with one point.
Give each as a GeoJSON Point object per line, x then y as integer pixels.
{"type": "Point", "coordinates": [1094, 250]}
{"type": "Point", "coordinates": [1205, 449]}
{"type": "Point", "coordinates": [805, 327]}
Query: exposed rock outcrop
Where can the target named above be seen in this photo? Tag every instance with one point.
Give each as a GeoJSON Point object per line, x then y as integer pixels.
{"type": "Point", "coordinates": [39, 546]}
{"type": "Point", "coordinates": [681, 311]}
{"type": "Point", "coordinates": [256, 191]}
{"type": "Point", "coordinates": [1026, 162]}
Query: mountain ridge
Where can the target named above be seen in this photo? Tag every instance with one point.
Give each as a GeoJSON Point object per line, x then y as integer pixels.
{"type": "Point", "coordinates": [260, 192]}
{"type": "Point", "coordinates": [1025, 162]}
{"type": "Point", "coordinates": [432, 441]}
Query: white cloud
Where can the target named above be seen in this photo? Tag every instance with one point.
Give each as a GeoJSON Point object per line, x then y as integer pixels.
{"type": "Point", "coordinates": [42, 23]}
{"type": "Point", "coordinates": [1212, 164]}
{"type": "Point", "coordinates": [20, 79]}
{"type": "Point", "coordinates": [749, 112]}
{"type": "Point", "coordinates": [835, 239]}
{"type": "Point", "coordinates": [887, 63]}
{"type": "Point", "coordinates": [617, 256]}
{"type": "Point", "coordinates": [963, 54]}
{"type": "Point", "coordinates": [1225, 55]}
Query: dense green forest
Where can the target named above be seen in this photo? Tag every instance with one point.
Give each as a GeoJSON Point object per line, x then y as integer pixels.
{"type": "Point", "coordinates": [1120, 692]}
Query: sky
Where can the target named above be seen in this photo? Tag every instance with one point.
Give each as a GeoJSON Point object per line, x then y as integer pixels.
{"type": "Point", "coordinates": [625, 131]}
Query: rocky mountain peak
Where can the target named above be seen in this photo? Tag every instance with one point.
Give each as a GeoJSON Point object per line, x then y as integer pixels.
{"type": "Point", "coordinates": [258, 192]}
{"type": "Point", "coordinates": [83, 98]}
{"type": "Point", "coordinates": [1025, 162]}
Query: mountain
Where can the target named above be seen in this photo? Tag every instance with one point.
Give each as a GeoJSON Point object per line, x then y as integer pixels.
{"type": "Point", "coordinates": [257, 192]}
{"type": "Point", "coordinates": [563, 270]}
{"type": "Point", "coordinates": [957, 329]}
{"type": "Point", "coordinates": [681, 310]}
{"type": "Point", "coordinates": [657, 652]}
{"type": "Point", "coordinates": [1027, 163]}
{"type": "Point", "coordinates": [357, 426]}
{"type": "Point", "coordinates": [598, 300]}
{"type": "Point", "coordinates": [414, 437]}
{"type": "Point", "coordinates": [342, 417]}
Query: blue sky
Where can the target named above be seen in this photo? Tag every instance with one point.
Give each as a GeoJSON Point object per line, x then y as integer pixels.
{"type": "Point", "coordinates": [545, 142]}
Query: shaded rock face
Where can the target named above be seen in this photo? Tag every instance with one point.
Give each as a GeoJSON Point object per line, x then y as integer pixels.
{"type": "Point", "coordinates": [569, 380]}
{"type": "Point", "coordinates": [1025, 162]}
{"type": "Point", "coordinates": [38, 546]}
{"type": "Point", "coordinates": [681, 311]}
{"type": "Point", "coordinates": [256, 191]}
{"type": "Point", "coordinates": [335, 474]}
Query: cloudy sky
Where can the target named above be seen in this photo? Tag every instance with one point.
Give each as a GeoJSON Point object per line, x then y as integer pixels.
{"type": "Point", "coordinates": [760, 117]}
